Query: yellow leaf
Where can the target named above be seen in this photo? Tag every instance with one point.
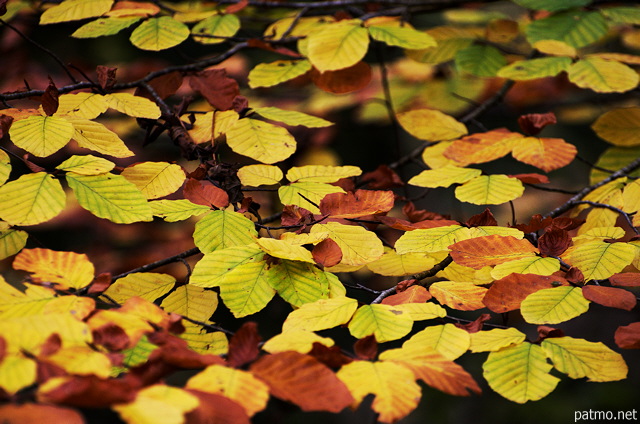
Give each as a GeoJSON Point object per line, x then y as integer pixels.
{"type": "Point", "coordinates": [134, 326]}
{"type": "Point", "coordinates": [304, 238]}
{"type": "Point", "coordinates": [457, 272]}
{"type": "Point", "coordinates": [321, 173]}
{"type": "Point", "coordinates": [520, 373]}
{"type": "Point", "coordinates": [221, 229]}
{"type": "Point", "coordinates": [79, 307]}
{"type": "Point", "coordinates": [599, 233]}
{"type": "Point", "coordinates": [321, 314]}
{"type": "Point", "coordinates": [291, 194]}
{"type": "Point", "coordinates": [105, 26]}
{"type": "Point", "coordinates": [11, 240]}
{"type": "Point", "coordinates": [161, 33]}
{"type": "Point", "coordinates": [82, 105]}
{"type": "Point", "coordinates": [431, 239]}
{"type": "Point", "coordinates": [359, 246]}
{"type": "Point", "coordinates": [431, 125]}
{"type": "Point", "coordinates": [28, 333]}
{"type": "Point", "coordinates": [296, 26]}
{"type": "Point", "coordinates": [201, 341]}
{"type": "Point", "coordinates": [490, 230]}
{"type": "Point", "coordinates": [240, 386]}
{"type": "Point", "coordinates": [213, 267]}
{"type": "Point", "coordinates": [274, 73]}
{"type": "Point", "coordinates": [385, 322]}
{"type": "Point", "coordinates": [524, 70]}
{"type": "Point", "coordinates": [580, 358]}
{"type": "Point", "coordinates": [146, 285]}
{"type": "Point", "coordinates": [14, 303]}
{"type": "Point", "coordinates": [86, 165]}
{"type": "Point", "coordinates": [155, 179]}
{"type": "Point", "coordinates": [490, 190]}
{"type": "Point", "coordinates": [291, 117]}
{"type": "Point", "coordinates": [599, 260]}
{"type": "Point", "coordinates": [211, 125]}
{"type": "Point", "coordinates": [73, 10]}
{"type": "Point", "coordinates": [246, 289]}
{"type": "Point", "coordinates": [449, 340]}
{"type": "Point", "coordinates": [177, 210]}
{"type": "Point", "coordinates": [262, 141]}
{"type": "Point", "coordinates": [392, 264]}
{"type": "Point", "coordinates": [338, 45]}
{"type": "Point", "coordinates": [422, 311]}
{"type": "Point", "coordinates": [405, 36]}
{"type": "Point", "coordinates": [158, 404]}
{"type": "Point", "coordinates": [298, 340]}
{"type": "Point", "coordinates": [530, 265]}
{"type": "Point", "coordinates": [603, 76]}
{"type": "Point", "coordinates": [41, 135]}
{"type": "Point", "coordinates": [65, 269]}
{"type": "Point", "coordinates": [457, 295]}
{"type": "Point", "coordinates": [134, 106]}
{"type": "Point", "coordinates": [556, 48]}
{"type": "Point", "coordinates": [95, 136]}
{"type": "Point", "coordinates": [16, 373]}
{"type": "Point", "coordinates": [394, 387]}
{"type": "Point", "coordinates": [217, 27]}
{"type": "Point", "coordinates": [31, 199]}
{"type": "Point", "coordinates": [620, 127]}
{"type": "Point", "coordinates": [5, 167]}
{"type": "Point", "coordinates": [258, 175]}
{"type": "Point", "coordinates": [434, 156]}
{"type": "Point", "coordinates": [631, 197]}
{"type": "Point", "coordinates": [496, 339]}
{"type": "Point", "coordinates": [444, 177]}
{"type": "Point", "coordinates": [554, 305]}
{"type": "Point", "coordinates": [192, 302]}
{"type": "Point", "coordinates": [299, 283]}
{"type": "Point", "coordinates": [282, 249]}
{"type": "Point", "coordinates": [81, 360]}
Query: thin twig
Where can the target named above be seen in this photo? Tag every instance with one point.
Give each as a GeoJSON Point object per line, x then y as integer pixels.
{"type": "Point", "coordinates": [619, 211]}
{"type": "Point", "coordinates": [158, 264]}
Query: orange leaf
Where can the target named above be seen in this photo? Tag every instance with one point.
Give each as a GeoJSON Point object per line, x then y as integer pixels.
{"type": "Point", "coordinates": [625, 279]}
{"type": "Point", "coordinates": [628, 336]}
{"type": "Point", "coordinates": [610, 296]}
{"type": "Point", "coordinates": [327, 253]}
{"type": "Point", "coordinates": [302, 380]}
{"type": "Point", "coordinates": [244, 345]}
{"type": "Point", "coordinates": [460, 296]}
{"type": "Point", "coordinates": [366, 348]}
{"type": "Point", "coordinates": [506, 294]}
{"type": "Point", "coordinates": [414, 294]}
{"type": "Point", "coordinates": [343, 81]}
{"type": "Point", "coordinates": [547, 154]}
{"type": "Point", "coordinates": [90, 391]}
{"type": "Point", "coordinates": [205, 193]}
{"type": "Point", "coordinates": [35, 413]}
{"type": "Point", "coordinates": [350, 205]}
{"type": "Point", "coordinates": [482, 147]}
{"type": "Point", "coordinates": [64, 269]}
{"type": "Point", "coordinates": [479, 252]}
{"type": "Point", "coordinates": [215, 409]}
{"type": "Point", "coordinates": [533, 123]}
{"type": "Point", "coordinates": [554, 241]}
{"type": "Point", "coordinates": [531, 178]}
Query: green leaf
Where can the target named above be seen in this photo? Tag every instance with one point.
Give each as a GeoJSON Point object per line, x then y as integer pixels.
{"type": "Point", "coordinates": [291, 117]}
{"type": "Point", "coordinates": [480, 60]}
{"type": "Point", "coordinates": [603, 76]}
{"type": "Point", "coordinates": [554, 305]}
{"type": "Point", "coordinates": [161, 33]}
{"type": "Point", "coordinates": [262, 141]}
{"type": "Point", "coordinates": [217, 26]}
{"type": "Point", "coordinates": [5, 167]}
{"type": "Point", "coordinates": [551, 5]}
{"type": "Point", "coordinates": [274, 73]}
{"type": "Point", "coordinates": [382, 321]}
{"type": "Point", "coordinates": [614, 158]}
{"type": "Point", "coordinates": [575, 28]}
{"type": "Point", "coordinates": [402, 36]}
{"type": "Point", "coordinates": [111, 197]}
{"type": "Point", "coordinates": [176, 210]}
{"type": "Point", "coordinates": [192, 302]}
{"type": "Point", "coordinates": [298, 282]}
{"type": "Point", "coordinates": [104, 26]}
{"type": "Point", "coordinates": [622, 15]}
{"type": "Point", "coordinates": [147, 285]}
{"type": "Point", "coordinates": [524, 70]}
{"type": "Point", "coordinates": [41, 135]}
{"type": "Point", "coordinates": [338, 45]}
{"type": "Point", "coordinates": [211, 270]}
{"type": "Point", "coordinates": [86, 165]}
{"type": "Point", "coordinates": [223, 229]}
{"type": "Point", "coordinates": [520, 373]}
{"type": "Point", "coordinates": [31, 199]}
{"type": "Point", "coordinates": [246, 289]}
{"type": "Point", "coordinates": [11, 241]}
{"type": "Point", "coordinates": [73, 10]}
{"type": "Point", "coordinates": [138, 354]}
{"type": "Point", "coordinates": [599, 260]}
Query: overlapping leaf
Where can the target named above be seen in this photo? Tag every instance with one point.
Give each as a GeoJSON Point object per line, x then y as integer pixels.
{"type": "Point", "coordinates": [161, 33]}
{"type": "Point", "coordinates": [554, 305]}
{"type": "Point", "coordinates": [321, 314]}
{"type": "Point", "coordinates": [338, 45]}
{"type": "Point", "coordinates": [31, 199]}
{"type": "Point", "coordinates": [222, 229]}
{"type": "Point", "coordinates": [490, 190]}
{"type": "Point", "coordinates": [262, 141]}
{"type": "Point", "coordinates": [65, 269]}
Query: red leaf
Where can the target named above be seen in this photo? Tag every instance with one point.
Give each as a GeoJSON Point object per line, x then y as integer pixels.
{"type": "Point", "coordinates": [100, 283]}
{"type": "Point", "coordinates": [416, 215]}
{"type": "Point", "coordinates": [205, 193]}
{"type": "Point", "coordinates": [50, 99]}
{"type": "Point", "coordinates": [574, 275]}
{"type": "Point", "coordinates": [506, 294]}
{"type": "Point", "coordinates": [92, 392]}
{"type": "Point", "coordinates": [295, 215]}
{"type": "Point", "coordinates": [533, 123]}
{"type": "Point", "coordinates": [175, 352]}
{"type": "Point", "coordinates": [165, 86]}
{"type": "Point", "coordinates": [383, 178]}
{"type": "Point", "coordinates": [475, 326]}
{"type": "Point", "coordinates": [235, 8]}
{"type": "Point", "coordinates": [106, 76]}
{"type": "Point", "coordinates": [610, 296]}
{"type": "Point", "coordinates": [545, 332]}
{"type": "Point", "coordinates": [216, 87]}
{"type": "Point", "coordinates": [366, 348]}
{"type": "Point", "coordinates": [628, 336]}
{"type": "Point", "coordinates": [362, 203]}
{"type": "Point", "coordinates": [259, 44]}
{"type": "Point", "coordinates": [302, 380]}
{"type": "Point", "coordinates": [343, 81]}
{"type": "Point", "coordinates": [532, 178]}
{"type": "Point", "coordinates": [485, 218]}
{"type": "Point", "coordinates": [411, 294]}
{"type": "Point", "coordinates": [625, 279]}
{"type": "Point", "coordinates": [554, 242]}
{"type": "Point", "coordinates": [327, 253]}
{"type": "Point", "coordinates": [405, 285]}
{"type": "Point", "coordinates": [330, 356]}
{"type": "Point", "coordinates": [3, 348]}
{"type": "Point", "coordinates": [479, 252]}
{"type": "Point", "coordinates": [5, 124]}
{"type": "Point", "coordinates": [536, 223]}
{"type": "Point", "coordinates": [35, 413]}
{"type": "Point", "coordinates": [244, 345]}
{"type": "Point", "coordinates": [111, 337]}
{"type": "Point", "coordinates": [215, 409]}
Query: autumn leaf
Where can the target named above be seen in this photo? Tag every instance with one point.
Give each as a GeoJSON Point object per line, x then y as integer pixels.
{"type": "Point", "coordinates": [508, 293]}
{"type": "Point", "coordinates": [64, 269]}
{"type": "Point", "coordinates": [205, 193]}
{"type": "Point", "coordinates": [547, 154]}
{"type": "Point", "coordinates": [321, 314]}
{"type": "Point", "coordinates": [554, 305]}
{"type": "Point", "coordinates": [610, 296]}
{"type": "Point", "coordinates": [461, 296]}
{"type": "Point", "coordinates": [383, 321]}
{"type": "Point", "coordinates": [431, 125]}
{"type": "Point", "coordinates": [360, 203]}
{"type": "Point", "coordinates": [490, 250]}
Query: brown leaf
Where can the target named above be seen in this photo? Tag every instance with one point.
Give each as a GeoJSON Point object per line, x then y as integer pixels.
{"type": "Point", "coordinates": [240, 104]}
{"type": "Point", "coordinates": [295, 215]}
{"type": "Point", "coordinates": [485, 218]}
{"type": "Point", "coordinates": [625, 279]}
{"type": "Point", "coordinates": [531, 178]}
{"type": "Point", "coordinates": [165, 86]}
{"type": "Point", "coordinates": [533, 123]}
{"type": "Point", "coordinates": [330, 356]}
{"type": "Point", "coordinates": [554, 241]}
{"type": "Point", "coordinates": [244, 345]}
{"type": "Point", "coordinates": [401, 224]}
{"type": "Point", "coordinates": [476, 325]}
{"type": "Point", "coordinates": [358, 204]}
{"type": "Point", "coordinates": [175, 352]}
{"type": "Point", "coordinates": [536, 223]}
{"type": "Point", "coordinates": [32, 166]}
{"type": "Point", "coordinates": [574, 275]}
{"type": "Point", "coordinates": [5, 124]}
{"type": "Point", "coordinates": [411, 294]}
{"type": "Point", "coordinates": [304, 381]}
{"type": "Point", "coordinates": [327, 253]}
{"type": "Point", "coordinates": [3, 7]}
{"type": "Point", "coordinates": [216, 87]}
{"type": "Point", "coordinates": [111, 337]}
{"type": "Point", "coordinates": [215, 409]}
{"type": "Point", "coordinates": [205, 193]}
{"type": "Point", "coordinates": [50, 99]}
{"type": "Point", "coordinates": [366, 348]}
{"type": "Point", "coordinates": [100, 283]}
{"type": "Point", "coordinates": [344, 80]}
{"type": "Point", "coordinates": [383, 178]}
{"type": "Point", "coordinates": [260, 44]}
{"type": "Point", "coordinates": [3, 348]}
{"type": "Point", "coordinates": [31, 413]}
{"type": "Point", "coordinates": [610, 296]}
{"type": "Point", "coordinates": [416, 215]}
{"type": "Point", "coordinates": [235, 8]}
{"type": "Point", "coordinates": [106, 76]}
{"type": "Point", "coordinates": [567, 223]}
{"type": "Point", "coordinates": [405, 285]}
{"type": "Point", "coordinates": [92, 392]}
{"type": "Point", "coordinates": [479, 252]}
{"type": "Point", "coordinates": [506, 294]}
{"type": "Point", "coordinates": [51, 345]}
{"type": "Point", "coordinates": [628, 336]}
{"type": "Point", "coordinates": [545, 332]}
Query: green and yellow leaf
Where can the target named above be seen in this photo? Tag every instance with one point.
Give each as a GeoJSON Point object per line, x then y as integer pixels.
{"type": "Point", "coordinates": [490, 190]}
{"type": "Point", "coordinates": [599, 260]}
{"type": "Point", "coordinates": [274, 73]}
{"type": "Point", "coordinates": [161, 33]}
{"type": "Point", "coordinates": [444, 177]}
{"type": "Point", "coordinates": [155, 179]}
{"type": "Point", "coordinates": [192, 302]}
{"type": "Point", "coordinates": [529, 265]}
{"type": "Point", "coordinates": [338, 45]}
{"type": "Point", "coordinates": [215, 29]}
{"type": "Point", "coordinates": [95, 136]}
{"type": "Point", "coordinates": [431, 240]}
{"type": "Point", "coordinates": [105, 26]}
{"type": "Point", "coordinates": [291, 117]}
{"type": "Point", "coordinates": [201, 341]}
{"type": "Point", "coordinates": [292, 194]}
{"type": "Point", "coordinates": [222, 229]}
{"type": "Point", "coordinates": [524, 70]}
{"type": "Point", "coordinates": [496, 339]}
{"type": "Point", "coordinates": [603, 76]}
{"type": "Point", "coordinates": [321, 314]}
{"type": "Point", "coordinates": [177, 210]}
{"type": "Point", "coordinates": [480, 60]}
{"type": "Point", "coordinates": [213, 267]}
{"type": "Point", "coordinates": [262, 141]}
{"type": "Point", "coordinates": [41, 135]}
{"type": "Point", "coordinates": [385, 322]}
{"type": "Point", "coordinates": [393, 264]}
{"type": "Point", "coordinates": [31, 199]}
{"type": "Point", "coordinates": [431, 125]}
{"type": "Point", "coordinates": [74, 10]}
{"type": "Point", "coordinates": [554, 305]}
{"type": "Point", "coordinates": [134, 106]}
{"type": "Point", "coordinates": [575, 28]}
{"type": "Point", "coordinates": [86, 165]}
{"type": "Point", "coordinates": [299, 283]}
{"type": "Point", "coordinates": [449, 340]}
{"type": "Point", "coordinates": [620, 127]}
{"type": "Point", "coordinates": [405, 36]}
{"type": "Point", "coordinates": [359, 246]}
{"type": "Point", "coordinates": [146, 285]}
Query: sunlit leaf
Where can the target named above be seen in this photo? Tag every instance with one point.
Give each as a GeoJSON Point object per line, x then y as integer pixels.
{"type": "Point", "coordinates": [274, 73]}
{"type": "Point", "coordinates": [262, 141]}
{"type": "Point", "coordinates": [191, 301]}
{"type": "Point", "coordinates": [480, 60]}
{"type": "Point", "coordinates": [359, 246]}
{"type": "Point", "coordinates": [554, 305]}
{"type": "Point", "coordinates": [507, 293]}
{"type": "Point", "coordinates": [603, 76]}
{"type": "Point", "coordinates": [146, 285]}
{"type": "Point", "coordinates": [547, 154]}
{"type": "Point", "coordinates": [444, 177]}
{"type": "Point", "coordinates": [383, 321]}
{"type": "Point", "coordinates": [86, 165]}
{"type": "Point", "coordinates": [524, 70]}
{"type": "Point", "coordinates": [17, 372]}
{"type": "Point", "coordinates": [95, 136]}
{"type": "Point", "coordinates": [161, 33]}
{"type": "Point", "coordinates": [338, 45]}
{"type": "Point", "coordinates": [460, 296]}
{"type": "Point", "coordinates": [65, 269]}
{"type": "Point", "coordinates": [41, 135]}
{"type": "Point", "coordinates": [221, 229]}
{"type": "Point", "coordinates": [297, 340]}
{"type": "Point", "coordinates": [134, 106]}
{"type": "Point", "coordinates": [299, 283]}
{"type": "Point", "coordinates": [520, 373]}
{"type": "Point", "coordinates": [207, 127]}
{"type": "Point", "coordinates": [620, 127]}
{"type": "Point", "coordinates": [104, 26]}
{"type": "Point", "coordinates": [177, 210]}
{"type": "Point", "coordinates": [490, 190]}
{"type": "Point", "coordinates": [479, 252]}
{"type": "Point", "coordinates": [529, 265]}
{"type": "Point", "coordinates": [82, 105]}
{"type": "Point", "coordinates": [5, 167]}
{"type": "Point", "coordinates": [449, 340]}
{"type": "Point", "coordinates": [431, 239]}
{"type": "Point", "coordinates": [599, 260]}
{"type": "Point", "coordinates": [292, 194]}
{"type": "Point", "coordinates": [217, 28]}
{"type": "Point", "coordinates": [392, 264]}
{"type": "Point", "coordinates": [431, 125]}
{"type": "Point", "coordinates": [405, 36]}
{"type": "Point", "coordinates": [321, 173]}
{"type": "Point", "coordinates": [211, 270]}
{"type": "Point", "coordinates": [31, 199]}
{"type": "Point", "coordinates": [203, 342]}
{"type": "Point", "coordinates": [246, 290]}
{"type": "Point", "coordinates": [496, 339]}
{"type": "Point", "coordinates": [291, 117]}
{"type": "Point", "coordinates": [81, 360]}
{"type": "Point", "coordinates": [155, 179]}
{"type": "Point", "coordinates": [159, 404]}
{"type": "Point", "coordinates": [321, 314]}
{"type": "Point", "coordinates": [11, 241]}
{"type": "Point", "coordinates": [257, 175]}
{"type": "Point", "coordinates": [360, 203]}
{"type": "Point", "coordinates": [576, 28]}
{"type": "Point", "coordinates": [482, 147]}
{"type": "Point", "coordinates": [421, 311]}
{"type": "Point", "coordinates": [73, 10]}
